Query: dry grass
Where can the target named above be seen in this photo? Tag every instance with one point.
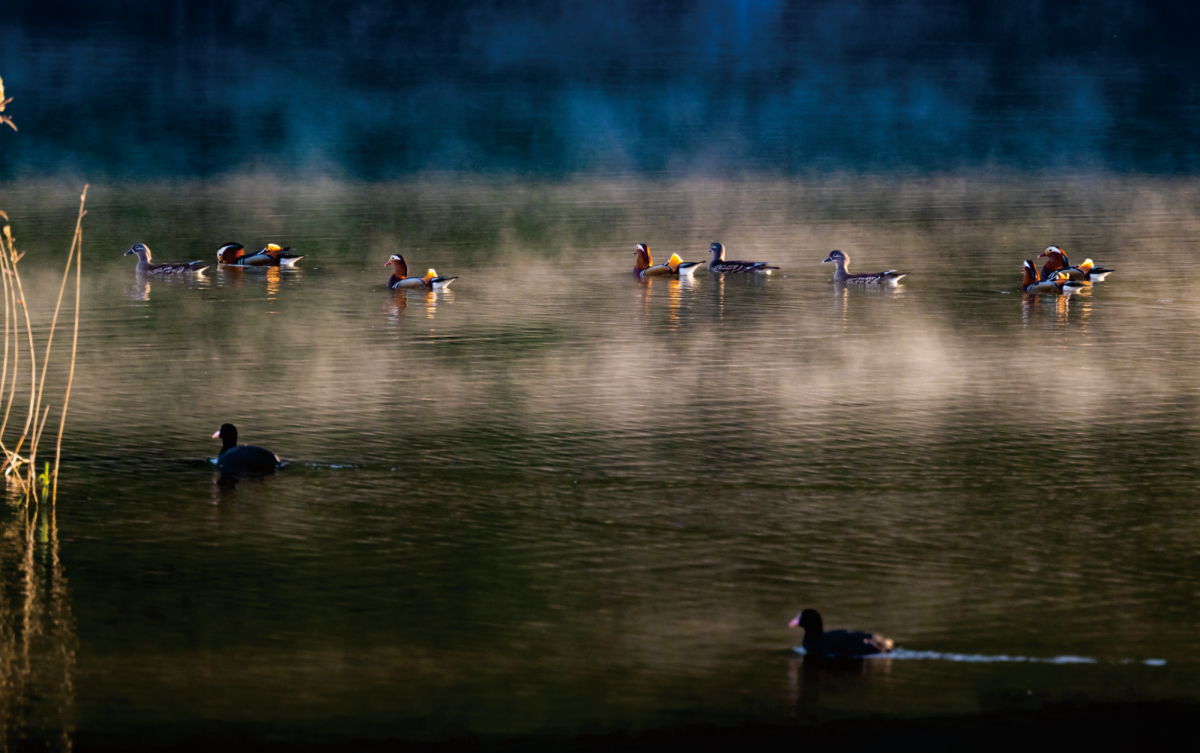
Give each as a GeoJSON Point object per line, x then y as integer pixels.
{"type": "Point", "coordinates": [22, 470]}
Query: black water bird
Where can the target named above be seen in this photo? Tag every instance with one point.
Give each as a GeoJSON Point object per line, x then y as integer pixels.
{"type": "Point", "coordinates": [235, 458]}
{"type": "Point", "coordinates": [837, 644]}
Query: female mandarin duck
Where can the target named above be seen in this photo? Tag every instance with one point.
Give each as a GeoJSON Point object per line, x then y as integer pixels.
{"type": "Point", "coordinates": [820, 643]}
{"type": "Point", "coordinates": [400, 278]}
{"type": "Point", "coordinates": [234, 255]}
{"type": "Point", "coordinates": [644, 265]}
{"type": "Point", "coordinates": [873, 278]}
{"type": "Point", "coordinates": [144, 265]}
{"type": "Point", "coordinates": [721, 266]}
{"type": "Point", "coordinates": [1058, 282]}
{"type": "Point", "coordinates": [1086, 272]}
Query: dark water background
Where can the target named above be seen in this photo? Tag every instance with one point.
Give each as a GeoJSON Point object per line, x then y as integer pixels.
{"type": "Point", "coordinates": [552, 500]}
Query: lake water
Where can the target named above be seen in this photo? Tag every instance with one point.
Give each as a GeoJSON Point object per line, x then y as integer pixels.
{"type": "Point", "coordinates": [556, 501]}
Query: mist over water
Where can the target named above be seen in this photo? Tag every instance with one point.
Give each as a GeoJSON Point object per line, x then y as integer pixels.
{"type": "Point", "coordinates": [376, 91]}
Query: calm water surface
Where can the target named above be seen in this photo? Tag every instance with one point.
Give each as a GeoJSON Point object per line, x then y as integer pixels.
{"type": "Point", "coordinates": [555, 500]}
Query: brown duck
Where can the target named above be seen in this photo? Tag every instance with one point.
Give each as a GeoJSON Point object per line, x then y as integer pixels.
{"type": "Point", "coordinates": [146, 267]}
{"type": "Point", "coordinates": [722, 266]}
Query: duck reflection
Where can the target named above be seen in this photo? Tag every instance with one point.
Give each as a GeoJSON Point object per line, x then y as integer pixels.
{"type": "Point", "coordinates": [1059, 305]}
{"type": "Point", "coordinates": [809, 679]}
{"type": "Point", "coordinates": [427, 298]}
{"type": "Point", "coordinates": [231, 277]}
{"type": "Point", "coordinates": [395, 306]}
{"type": "Point", "coordinates": [273, 278]}
{"type": "Point", "coordinates": [675, 293]}
{"type": "Point", "coordinates": [140, 289]}
{"type": "Point", "coordinates": [37, 632]}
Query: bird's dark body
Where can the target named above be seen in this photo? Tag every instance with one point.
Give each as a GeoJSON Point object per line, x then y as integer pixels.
{"type": "Point", "coordinates": [837, 645]}
{"type": "Point", "coordinates": [243, 459]}
{"type": "Point", "coordinates": [845, 644]}
{"type": "Point", "coordinates": [247, 459]}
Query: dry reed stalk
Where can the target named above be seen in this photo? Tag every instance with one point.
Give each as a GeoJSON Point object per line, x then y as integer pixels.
{"type": "Point", "coordinates": [4, 103]}
{"type": "Point", "coordinates": [75, 241]}
{"type": "Point", "coordinates": [62, 423]}
{"type": "Point", "coordinates": [35, 422]}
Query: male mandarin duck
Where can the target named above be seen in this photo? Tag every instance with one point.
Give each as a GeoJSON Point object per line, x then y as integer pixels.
{"type": "Point", "coordinates": [234, 255]}
{"type": "Point", "coordinates": [1086, 272]}
{"type": "Point", "coordinates": [146, 267]}
{"type": "Point", "coordinates": [873, 278]}
{"type": "Point", "coordinates": [644, 265]}
{"type": "Point", "coordinates": [837, 644]}
{"type": "Point", "coordinates": [400, 278]}
{"type": "Point", "coordinates": [721, 266]}
{"type": "Point", "coordinates": [1058, 282]}
{"type": "Point", "coordinates": [231, 254]}
{"type": "Point", "coordinates": [235, 458]}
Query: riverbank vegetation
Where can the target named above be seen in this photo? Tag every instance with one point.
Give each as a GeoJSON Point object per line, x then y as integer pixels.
{"type": "Point", "coordinates": [20, 381]}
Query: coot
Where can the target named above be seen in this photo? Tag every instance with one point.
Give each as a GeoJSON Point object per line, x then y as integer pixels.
{"type": "Point", "coordinates": [837, 644]}
{"type": "Point", "coordinates": [235, 458]}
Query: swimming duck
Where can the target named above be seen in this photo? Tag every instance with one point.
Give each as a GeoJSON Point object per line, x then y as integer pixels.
{"type": "Point", "coordinates": [235, 458]}
{"type": "Point", "coordinates": [271, 256]}
{"type": "Point", "coordinates": [1086, 272]}
{"type": "Point", "coordinates": [644, 265]}
{"type": "Point", "coordinates": [721, 266]}
{"type": "Point", "coordinates": [837, 644]}
{"type": "Point", "coordinates": [1058, 282]}
{"type": "Point", "coordinates": [400, 278]}
{"type": "Point", "coordinates": [231, 254]}
{"type": "Point", "coordinates": [142, 251]}
{"type": "Point", "coordinates": [875, 278]}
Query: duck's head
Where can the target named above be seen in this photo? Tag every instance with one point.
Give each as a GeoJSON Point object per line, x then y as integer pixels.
{"type": "Point", "coordinates": [140, 250]}
{"type": "Point", "coordinates": [230, 253]}
{"type": "Point", "coordinates": [398, 265]}
{"type": "Point", "coordinates": [227, 434]}
{"type": "Point", "coordinates": [674, 262]}
{"type": "Point", "coordinates": [717, 250]}
{"type": "Point", "coordinates": [810, 620]}
{"type": "Point", "coordinates": [641, 257]}
{"type": "Point", "coordinates": [1031, 273]}
{"type": "Point", "coordinates": [836, 256]}
{"type": "Point", "coordinates": [1057, 258]}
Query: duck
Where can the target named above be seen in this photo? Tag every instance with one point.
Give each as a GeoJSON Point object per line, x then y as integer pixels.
{"type": "Point", "coordinates": [234, 255]}
{"type": "Point", "coordinates": [400, 278]}
{"type": "Point", "coordinates": [644, 265]}
{"type": "Point", "coordinates": [245, 458]}
{"type": "Point", "coordinates": [1058, 282]}
{"type": "Point", "coordinates": [231, 254]}
{"type": "Point", "coordinates": [1086, 272]}
{"type": "Point", "coordinates": [890, 277]}
{"type": "Point", "coordinates": [721, 266]}
{"type": "Point", "coordinates": [820, 643]}
{"type": "Point", "coordinates": [146, 267]}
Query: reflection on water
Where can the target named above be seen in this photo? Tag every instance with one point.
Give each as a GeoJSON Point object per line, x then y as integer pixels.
{"type": "Point", "coordinates": [558, 498]}
{"type": "Point", "coordinates": [37, 634]}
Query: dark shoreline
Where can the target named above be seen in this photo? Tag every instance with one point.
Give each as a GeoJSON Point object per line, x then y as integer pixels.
{"type": "Point", "coordinates": [1108, 726]}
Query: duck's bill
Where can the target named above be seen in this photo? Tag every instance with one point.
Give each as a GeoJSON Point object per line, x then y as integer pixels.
{"type": "Point", "coordinates": [796, 620]}
{"type": "Point", "coordinates": [216, 435]}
